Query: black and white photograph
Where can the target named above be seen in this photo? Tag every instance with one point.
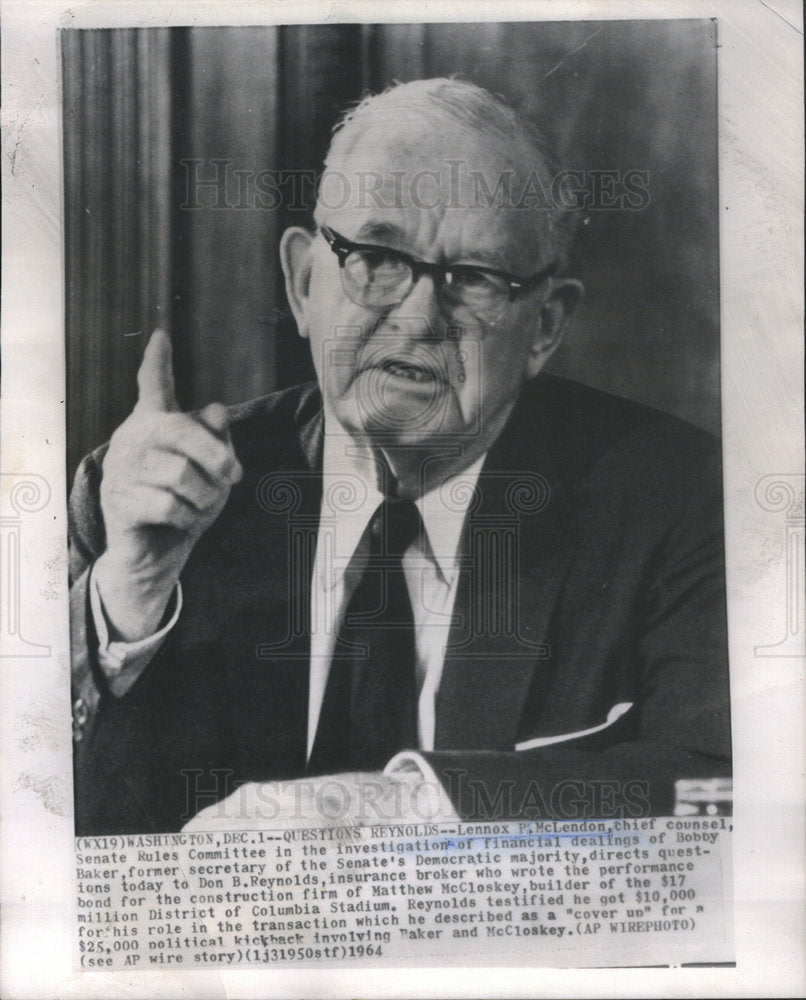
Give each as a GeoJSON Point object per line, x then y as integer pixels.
{"type": "Point", "coordinates": [399, 446]}
{"type": "Point", "coordinates": [364, 505]}
{"type": "Point", "coordinates": [365, 546]}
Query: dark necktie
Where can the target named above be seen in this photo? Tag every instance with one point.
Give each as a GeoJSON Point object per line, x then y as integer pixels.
{"type": "Point", "coordinates": [369, 711]}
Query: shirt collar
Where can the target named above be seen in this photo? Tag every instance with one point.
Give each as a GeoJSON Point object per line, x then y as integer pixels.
{"type": "Point", "coordinates": [350, 496]}
{"type": "Point", "coordinates": [443, 511]}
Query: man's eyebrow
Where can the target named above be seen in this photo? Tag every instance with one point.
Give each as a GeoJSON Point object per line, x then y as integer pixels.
{"type": "Point", "coordinates": [489, 258]}
{"type": "Point", "coordinates": [380, 231]}
{"type": "Point", "coordinates": [388, 232]}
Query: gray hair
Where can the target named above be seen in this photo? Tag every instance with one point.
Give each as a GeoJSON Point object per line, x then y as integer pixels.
{"type": "Point", "coordinates": [475, 109]}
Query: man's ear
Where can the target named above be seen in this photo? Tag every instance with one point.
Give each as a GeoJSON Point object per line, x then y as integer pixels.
{"type": "Point", "coordinates": [555, 312]}
{"type": "Point", "coordinates": [295, 257]}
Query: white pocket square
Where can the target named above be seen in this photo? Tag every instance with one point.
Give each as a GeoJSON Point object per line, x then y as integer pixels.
{"type": "Point", "coordinates": [613, 715]}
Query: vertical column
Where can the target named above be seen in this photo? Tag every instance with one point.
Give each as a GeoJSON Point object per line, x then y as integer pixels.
{"type": "Point", "coordinates": [25, 494]}
{"type": "Point", "coordinates": [784, 493]}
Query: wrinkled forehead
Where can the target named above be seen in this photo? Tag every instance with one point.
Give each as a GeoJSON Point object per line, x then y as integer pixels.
{"type": "Point", "coordinates": [442, 189]}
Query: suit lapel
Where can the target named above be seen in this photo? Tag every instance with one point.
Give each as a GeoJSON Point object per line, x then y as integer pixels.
{"type": "Point", "coordinates": [516, 551]}
{"type": "Point", "coordinates": [273, 534]}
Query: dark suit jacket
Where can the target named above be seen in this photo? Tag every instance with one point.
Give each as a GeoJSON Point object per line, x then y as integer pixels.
{"type": "Point", "coordinates": [599, 523]}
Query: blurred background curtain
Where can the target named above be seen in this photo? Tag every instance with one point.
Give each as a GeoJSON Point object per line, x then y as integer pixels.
{"type": "Point", "coordinates": [175, 144]}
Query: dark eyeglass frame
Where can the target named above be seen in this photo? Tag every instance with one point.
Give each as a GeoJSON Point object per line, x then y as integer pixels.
{"type": "Point", "coordinates": [440, 273]}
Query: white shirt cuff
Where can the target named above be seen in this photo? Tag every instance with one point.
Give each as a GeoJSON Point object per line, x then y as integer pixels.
{"type": "Point", "coordinates": [123, 662]}
{"type": "Point", "coordinates": [428, 798]}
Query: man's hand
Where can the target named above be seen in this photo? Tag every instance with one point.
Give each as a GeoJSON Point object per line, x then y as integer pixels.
{"type": "Point", "coordinates": [166, 478]}
{"type": "Point", "coordinates": [352, 799]}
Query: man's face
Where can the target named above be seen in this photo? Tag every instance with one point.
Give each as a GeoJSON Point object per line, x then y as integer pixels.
{"type": "Point", "coordinates": [415, 374]}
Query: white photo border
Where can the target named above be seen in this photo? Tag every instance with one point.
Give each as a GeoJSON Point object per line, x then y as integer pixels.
{"type": "Point", "coordinates": [761, 262]}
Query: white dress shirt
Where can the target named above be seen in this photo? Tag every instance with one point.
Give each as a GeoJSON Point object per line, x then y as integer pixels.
{"type": "Point", "coordinates": [350, 497]}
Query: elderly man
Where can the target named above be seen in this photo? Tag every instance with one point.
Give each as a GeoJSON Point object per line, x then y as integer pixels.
{"type": "Point", "coordinates": [435, 565]}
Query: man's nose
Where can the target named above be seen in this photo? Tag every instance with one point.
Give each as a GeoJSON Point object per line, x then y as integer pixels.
{"type": "Point", "coordinates": [419, 313]}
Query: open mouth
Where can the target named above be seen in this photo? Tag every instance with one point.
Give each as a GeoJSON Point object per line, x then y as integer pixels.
{"type": "Point", "coordinates": [409, 370]}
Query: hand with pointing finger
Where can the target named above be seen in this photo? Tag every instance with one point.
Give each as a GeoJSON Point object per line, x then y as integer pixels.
{"type": "Point", "coordinates": [166, 478]}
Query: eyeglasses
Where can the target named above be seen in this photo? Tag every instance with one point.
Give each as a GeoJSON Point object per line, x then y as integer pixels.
{"type": "Point", "coordinates": [380, 278]}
